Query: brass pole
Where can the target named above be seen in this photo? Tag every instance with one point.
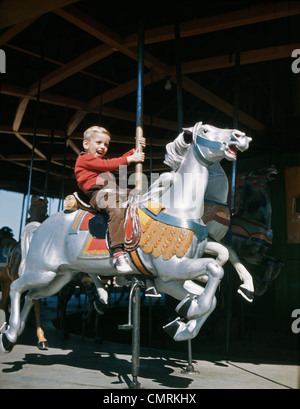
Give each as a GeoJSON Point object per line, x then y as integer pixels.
{"type": "Point", "coordinates": [139, 107]}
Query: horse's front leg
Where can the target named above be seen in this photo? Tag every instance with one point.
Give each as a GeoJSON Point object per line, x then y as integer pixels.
{"type": "Point", "coordinates": [247, 288]}
{"type": "Point", "coordinates": [42, 341]}
{"type": "Point", "coordinates": [194, 306]}
{"type": "Point", "coordinates": [216, 249]}
{"type": "Point", "coordinates": [101, 291]}
{"type": "Point", "coordinates": [179, 329]}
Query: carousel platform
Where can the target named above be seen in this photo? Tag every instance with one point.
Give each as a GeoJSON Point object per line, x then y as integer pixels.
{"type": "Point", "coordinates": [80, 363]}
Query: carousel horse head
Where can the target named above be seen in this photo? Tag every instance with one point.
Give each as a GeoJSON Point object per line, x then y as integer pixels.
{"type": "Point", "coordinates": [212, 144]}
{"type": "Point", "coordinates": [6, 232]}
{"type": "Point", "coordinates": [6, 236]}
{"type": "Point", "coordinates": [38, 209]}
{"type": "Point", "coordinates": [261, 177]}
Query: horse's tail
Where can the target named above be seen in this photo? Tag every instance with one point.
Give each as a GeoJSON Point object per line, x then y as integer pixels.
{"type": "Point", "coordinates": [27, 234]}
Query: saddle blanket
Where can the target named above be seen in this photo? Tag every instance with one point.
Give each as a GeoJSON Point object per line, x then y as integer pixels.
{"type": "Point", "coordinates": [156, 237]}
{"type": "Point", "coordinates": [95, 245]}
{"type": "Point", "coordinates": [217, 212]}
{"type": "Point", "coordinates": [252, 231]}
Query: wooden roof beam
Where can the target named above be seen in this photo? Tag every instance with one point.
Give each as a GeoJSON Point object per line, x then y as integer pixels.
{"type": "Point", "coordinates": [246, 57]}
{"type": "Point", "coordinates": [71, 68]}
{"type": "Point", "coordinates": [109, 37]}
{"type": "Point", "coordinates": [87, 23]}
{"type": "Point", "coordinates": [202, 93]}
{"type": "Point", "coordinates": [4, 129]}
{"type": "Point", "coordinates": [14, 30]}
{"type": "Point", "coordinates": [29, 145]}
{"type": "Point", "coordinates": [258, 14]}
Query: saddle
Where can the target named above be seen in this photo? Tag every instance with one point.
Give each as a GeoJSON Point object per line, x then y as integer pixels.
{"type": "Point", "coordinates": [143, 228]}
{"type": "Point", "coordinates": [97, 225]}
{"type": "Point", "coordinates": [78, 200]}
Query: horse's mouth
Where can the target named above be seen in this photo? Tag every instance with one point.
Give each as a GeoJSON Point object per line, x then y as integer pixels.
{"type": "Point", "coordinates": [232, 149]}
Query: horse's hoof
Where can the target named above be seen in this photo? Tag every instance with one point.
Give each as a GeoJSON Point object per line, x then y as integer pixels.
{"type": "Point", "coordinates": [5, 344]}
{"type": "Point", "coordinates": [248, 295]}
{"type": "Point", "coordinates": [3, 327]}
{"type": "Point", "coordinates": [43, 345]}
{"type": "Point", "coordinates": [172, 327]}
{"type": "Point", "coordinates": [184, 306]}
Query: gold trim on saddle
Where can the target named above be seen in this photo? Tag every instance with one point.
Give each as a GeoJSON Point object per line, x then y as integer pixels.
{"type": "Point", "coordinates": [161, 239]}
{"type": "Point", "coordinates": [73, 202]}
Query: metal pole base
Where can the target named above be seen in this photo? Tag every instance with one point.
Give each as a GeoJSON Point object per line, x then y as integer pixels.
{"type": "Point", "coordinates": [190, 370]}
{"type": "Point", "coordinates": [134, 312]}
{"type": "Point", "coordinates": [135, 384]}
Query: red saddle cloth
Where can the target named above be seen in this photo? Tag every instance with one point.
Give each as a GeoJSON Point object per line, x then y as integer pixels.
{"type": "Point", "coordinates": [96, 244]}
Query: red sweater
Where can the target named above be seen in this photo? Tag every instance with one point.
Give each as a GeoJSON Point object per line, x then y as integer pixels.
{"type": "Point", "coordinates": [88, 168]}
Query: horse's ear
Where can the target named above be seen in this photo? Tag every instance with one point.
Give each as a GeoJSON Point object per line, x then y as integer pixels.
{"type": "Point", "coordinates": [188, 135]}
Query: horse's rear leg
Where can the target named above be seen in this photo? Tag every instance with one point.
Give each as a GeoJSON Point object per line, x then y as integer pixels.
{"type": "Point", "coordinates": [34, 295]}
{"type": "Point", "coordinates": [22, 284]}
{"type": "Point", "coordinates": [3, 304]}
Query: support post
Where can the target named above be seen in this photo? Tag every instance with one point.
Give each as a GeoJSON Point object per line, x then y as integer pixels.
{"type": "Point", "coordinates": [139, 107]}
{"type": "Point", "coordinates": [232, 195]}
{"type": "Point", "coordinates": [190, 368]}
{"type": "Point", "coordinates": [49, 155]}
{"type": "Point", "coordinates": [33, 146]}
{"type": "Point", "coordinates": [136, 338]}
{"type": "Point", "coordinates": [178, 79]}
{"type": "Point", "coordinates": [134, 319]}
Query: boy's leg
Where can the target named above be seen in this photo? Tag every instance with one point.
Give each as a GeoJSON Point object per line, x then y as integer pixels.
{"type": "Point", "coordinates": [113, 205]}
{"type": "Point", "coordinates": [116, 227]}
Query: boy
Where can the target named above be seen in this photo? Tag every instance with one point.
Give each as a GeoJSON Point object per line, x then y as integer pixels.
{"type": "Point", "coordinates": [93, 173]}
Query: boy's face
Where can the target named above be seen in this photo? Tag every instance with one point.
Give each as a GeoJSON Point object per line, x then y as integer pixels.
{"type": "Point", "coordinates": [97, 145]}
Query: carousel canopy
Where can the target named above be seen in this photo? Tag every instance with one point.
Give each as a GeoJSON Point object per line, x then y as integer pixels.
{"type": "Point", "coordinates": [67, 65]}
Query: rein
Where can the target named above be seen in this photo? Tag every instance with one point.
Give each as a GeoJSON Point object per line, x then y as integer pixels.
{"type": "Point", "coordinates": [207, 144]}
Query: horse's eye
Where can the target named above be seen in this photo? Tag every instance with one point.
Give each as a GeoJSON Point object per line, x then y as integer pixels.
{"type": "Point", "coordinates": [205, 130]}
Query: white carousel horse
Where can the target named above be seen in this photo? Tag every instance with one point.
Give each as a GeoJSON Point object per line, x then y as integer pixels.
{"type": "Point", "coordinates": [11, 250]}
{"type": "Point", "coordinates": [51, 257]}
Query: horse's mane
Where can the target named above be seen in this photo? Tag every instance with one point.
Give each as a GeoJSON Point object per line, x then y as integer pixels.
{"type": "Point", "coordinates": [176, 151]}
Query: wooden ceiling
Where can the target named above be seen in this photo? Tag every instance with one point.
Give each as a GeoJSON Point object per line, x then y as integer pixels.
{"type": "Point", "coordinates": [73, 64]}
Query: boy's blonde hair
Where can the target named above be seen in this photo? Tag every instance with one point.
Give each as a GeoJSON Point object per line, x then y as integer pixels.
{"type": "Point", "coordinates": [95, 129]}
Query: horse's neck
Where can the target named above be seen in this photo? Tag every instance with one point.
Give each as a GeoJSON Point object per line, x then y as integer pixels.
{"type": "Point", "coordinates": [217, 187]}
{"type": "Point", "coordinates": [185, 198]}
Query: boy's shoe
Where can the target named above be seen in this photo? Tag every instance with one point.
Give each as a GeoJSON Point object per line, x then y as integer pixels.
{"type": "Point", "coordinates": [121, 263]}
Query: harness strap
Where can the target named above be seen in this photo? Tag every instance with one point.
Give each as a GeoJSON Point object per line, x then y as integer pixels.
{"type": "Point", "coordinates": [199, 230]}
{"type": "Point", "coordinates": [208, 144]}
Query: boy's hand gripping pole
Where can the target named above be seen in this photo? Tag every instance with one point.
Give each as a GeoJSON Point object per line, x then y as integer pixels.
{"type": "Point", "coordinates": [138, 166]}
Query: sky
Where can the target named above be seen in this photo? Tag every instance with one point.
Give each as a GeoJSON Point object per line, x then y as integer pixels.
{"type": "Point", "coordinates": [11, 210]}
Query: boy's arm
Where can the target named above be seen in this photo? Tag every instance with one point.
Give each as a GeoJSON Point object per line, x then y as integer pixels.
{"type": "Point", "coordinates": [93, 163]}
{"type": "Point", "coordinates": [129, 153]}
